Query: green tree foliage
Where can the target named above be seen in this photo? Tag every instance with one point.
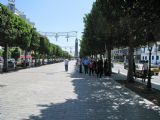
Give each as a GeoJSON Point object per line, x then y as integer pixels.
{"type": "Point", "coordinates": [35, 44]}
{"type": "Point", "coordinates": [1, 52]}
{"type": "Point", "coordinates": [16, 32]}
{"type": "Point", "coordinates": [7, 30]}
{"type": "Point", "coordinates": [35, 40]}
{"type": "Point", "coordinates": [15, 54]}
{"type": "Point", "coordinates": [44, 44]}
{"type": "Point", "coordinates": [58, 51]}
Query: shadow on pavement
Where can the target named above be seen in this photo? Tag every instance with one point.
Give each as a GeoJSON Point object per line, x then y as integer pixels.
{"type": "Point", "coordinates": [119, 76]}
{"type": "Point", "coordinates": [1, 86]}
{"type": "Point", "coordinates": [99, 99]}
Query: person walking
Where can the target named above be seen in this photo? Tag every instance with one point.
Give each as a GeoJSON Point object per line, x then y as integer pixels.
{"type": "Point", "coordinates": [90, 66]}
{"type": "Point", "coordinates": [145, 70]}
{"type": "Point", "coordinates": [95, 66]}
{"type": "Point", "coordinates": [80, 65]}
{"type": "Point", "coordinates": [66, 61]}
{"type": "Point", "coordinates": [85, 64]}
{"type": "Point", "coordinates": [106, 68]}
{"type": "Point", "coordinates": [100, 68]}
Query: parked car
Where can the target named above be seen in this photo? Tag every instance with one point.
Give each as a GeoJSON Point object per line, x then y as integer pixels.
{"type": "Point", "coordinates": [155, 69]}
{"type": "Point", "coordinates": [11, 64]}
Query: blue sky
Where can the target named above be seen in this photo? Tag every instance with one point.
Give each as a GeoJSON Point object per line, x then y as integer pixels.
{"type": "Point", "coordinates": [56, 16]}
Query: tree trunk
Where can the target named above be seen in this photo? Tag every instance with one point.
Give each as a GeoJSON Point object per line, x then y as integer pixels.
{"type": "Point", "coordinates": [43, 59]}
{"type": "Point", "coordinates": [25, 58]}
{"type": "Point", "coordinates": [5, 57]}
{"type": "Point", "coordinates": [109, 62]}
{"type": "Point", "coordinates": [52, 59]}
{"type": "Point", "coordinates": [48, 59]}
{"type": "Point", "coordinates": [35, 64]}
{"type": "Point", "coordinates": [130, 64]}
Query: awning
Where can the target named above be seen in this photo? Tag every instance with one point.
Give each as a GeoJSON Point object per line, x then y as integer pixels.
{"type": "Point", "coordinates": [28, 56]}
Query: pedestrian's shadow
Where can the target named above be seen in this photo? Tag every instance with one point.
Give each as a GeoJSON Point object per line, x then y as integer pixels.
{"type": "Point", "coordinates": [98, 99]}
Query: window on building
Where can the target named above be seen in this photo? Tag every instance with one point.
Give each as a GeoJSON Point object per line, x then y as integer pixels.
{"type": "Point", "coordinates": [152, 57]}
{"type": "Point", "coordinates": [158, 47]}
{"type": "Point", "coordinates": [145, 57]}
{"type": "Point", "coordinates": [157, 57]}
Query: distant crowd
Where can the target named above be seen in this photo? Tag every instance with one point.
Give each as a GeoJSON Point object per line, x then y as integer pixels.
{"type": "Point", "coordinates": [90, 66]}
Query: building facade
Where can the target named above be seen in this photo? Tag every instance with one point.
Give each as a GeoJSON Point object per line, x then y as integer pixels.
{"type": "Point", "coordinates": [155, 53]}
{"type": "Point", "coordinates": [119, 55]}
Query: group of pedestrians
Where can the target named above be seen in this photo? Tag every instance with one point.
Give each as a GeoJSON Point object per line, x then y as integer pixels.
{"type": "Point", "coordinates": [93, 66]}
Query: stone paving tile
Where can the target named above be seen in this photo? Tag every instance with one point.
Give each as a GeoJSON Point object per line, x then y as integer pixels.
{"type": "Point", "coordinates": [49, 93]}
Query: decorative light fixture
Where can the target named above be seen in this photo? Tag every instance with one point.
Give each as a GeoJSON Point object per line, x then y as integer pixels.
{"type": "Point", "coordinates": [150, 39]}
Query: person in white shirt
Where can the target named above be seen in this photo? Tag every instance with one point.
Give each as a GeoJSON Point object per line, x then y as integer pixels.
{"type": "Point", "coordinates": [66, 61]}
{"type": "Point", "coordinates": [145, 70]}
{"type": "Point", "coordinates": [80, 65]}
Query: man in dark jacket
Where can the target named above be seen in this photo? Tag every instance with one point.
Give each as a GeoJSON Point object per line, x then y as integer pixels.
{"type": "Point", "coordinates": [99, 68]}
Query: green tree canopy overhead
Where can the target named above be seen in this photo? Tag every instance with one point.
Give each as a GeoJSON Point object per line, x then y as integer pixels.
{"type": "Point", "coordinates": [120, 23]}
{"type": "Point", "coordinates": [16, 32]}
{"type": "Point", "coordinates": [7, 30]}
{"type": "Point", "coordinates": [35, 40]}
{"type": "Point", "coordinates": [44, 44]}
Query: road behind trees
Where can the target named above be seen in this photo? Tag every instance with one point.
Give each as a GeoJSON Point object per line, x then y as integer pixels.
{"type": "Point", "coordinates": [50, 93]}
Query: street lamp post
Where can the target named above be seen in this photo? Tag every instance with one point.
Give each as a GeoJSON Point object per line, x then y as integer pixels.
{"type": "Point", "coordinates": [149, 70]}
{"type": "Point", "coordinates": [150, 39]}
{"type": "Point", "coordinates": [156, 52]}
{"type": "Point", "coordinates": [76, 48]}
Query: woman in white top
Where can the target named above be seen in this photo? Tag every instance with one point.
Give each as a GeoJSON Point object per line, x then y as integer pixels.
{"type": "Point", "coordinates": [145, 70]}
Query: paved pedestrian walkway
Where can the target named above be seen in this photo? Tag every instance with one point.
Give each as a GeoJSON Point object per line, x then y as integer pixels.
{"type": "Point", "coordinates": [50, 93]}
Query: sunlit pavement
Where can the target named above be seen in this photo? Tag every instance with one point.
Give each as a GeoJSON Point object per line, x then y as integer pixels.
{"type": "Point", "coordinates": [155, 80]}
{"type": "Point", "coordinates": [50, 93]}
